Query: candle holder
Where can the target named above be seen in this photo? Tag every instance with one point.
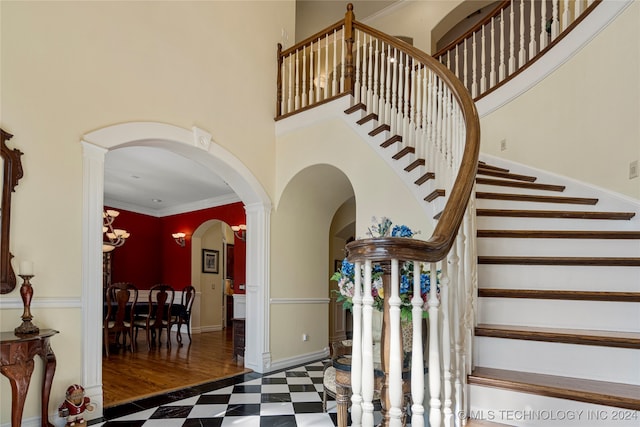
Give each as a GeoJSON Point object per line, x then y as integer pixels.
{"type": "Point", "coordinates": [26, 292]}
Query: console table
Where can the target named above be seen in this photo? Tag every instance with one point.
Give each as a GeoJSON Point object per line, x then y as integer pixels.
{"type": "Point", "coordinates": [16, 363]}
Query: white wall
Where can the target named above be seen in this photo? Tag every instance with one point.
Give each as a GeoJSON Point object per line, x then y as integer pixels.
{"type": "Point", "coordinates": [68, 68]}
{"type": "Point", "coordinates": [582, 121]}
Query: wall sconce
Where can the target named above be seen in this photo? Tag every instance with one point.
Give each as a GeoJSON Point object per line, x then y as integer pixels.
{"type": "Point", "coordinates": [240, 231]}
{"type": "Point", "coordinates": [179, 238]}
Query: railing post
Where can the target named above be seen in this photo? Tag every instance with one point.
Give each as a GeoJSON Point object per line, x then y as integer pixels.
{"type": "Point", "coordinates": [279, 82]}
{"type": "Point", "coordinates": [349, 17]}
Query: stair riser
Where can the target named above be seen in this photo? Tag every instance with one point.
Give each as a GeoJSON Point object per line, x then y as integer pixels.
{"type": "Point", "coordinates": [510, 407]}
{"type": "Point", "coordinates": [559, 277]}
{"type": "Point", "coordinates": [558, 247]}
{"type": "Point", "coordinates": [598, 315]}
{"type": "Point", "coordinates": [568, 360]}
{"type": "Point", "coordinates": [508, 223]}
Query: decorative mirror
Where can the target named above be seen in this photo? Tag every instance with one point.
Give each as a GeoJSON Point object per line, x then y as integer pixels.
{"type": "Point", "coordinates": [12, 172]}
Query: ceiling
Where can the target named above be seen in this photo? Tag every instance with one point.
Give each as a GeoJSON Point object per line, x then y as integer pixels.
{"type": "Point", "coordinates": [157, 182]}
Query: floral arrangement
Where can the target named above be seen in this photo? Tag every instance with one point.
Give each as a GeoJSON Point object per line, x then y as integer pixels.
{"type": "Point", "coordinates": [346, 275]}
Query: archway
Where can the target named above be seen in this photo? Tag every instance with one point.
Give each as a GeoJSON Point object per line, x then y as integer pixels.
{"type": "Point", "coordinates": [198, 146]}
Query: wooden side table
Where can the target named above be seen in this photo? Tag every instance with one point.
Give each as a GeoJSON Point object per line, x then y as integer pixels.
{"type": "Point", "coordinates": [16, 363]}
{"type": "Point", "coordinates": [238, 338]}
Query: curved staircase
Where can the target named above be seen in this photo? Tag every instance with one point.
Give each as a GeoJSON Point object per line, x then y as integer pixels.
{"type": "Point", "coordinates": [558, 332]}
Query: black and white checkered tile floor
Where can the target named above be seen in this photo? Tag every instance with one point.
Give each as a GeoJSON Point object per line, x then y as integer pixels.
{"type": "Point", "coordinates": [291, 398]}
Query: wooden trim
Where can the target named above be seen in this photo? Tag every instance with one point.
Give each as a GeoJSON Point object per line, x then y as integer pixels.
{"type": "Point", "coordinates": [505, 175]}
{"type": "Point", "coordinates": [572, 261]}
{"type": "Point", "coordinates": [605, 393]}
{"type": "Point", "coordinates": [536, 198]}
{"type": "Point", "coordinates": [559, 295]}
{"type": "Point", "coordinates": [560, 234]}
{"type": "Point", "coordinates": [566, 336]}
{"type": "Point", "coordinates": [513, 213]}
{"type": "Point", "coordinates": [520, 184]}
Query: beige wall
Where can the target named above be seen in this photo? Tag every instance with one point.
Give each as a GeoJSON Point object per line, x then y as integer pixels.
{"type": "Point", "coordinates": [68, 68]}
{"type": "Point", "coordinates": [583, 121]}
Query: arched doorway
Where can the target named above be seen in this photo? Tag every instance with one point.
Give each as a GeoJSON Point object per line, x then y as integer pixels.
{"type": "Point", "coordinates": [198, 146]}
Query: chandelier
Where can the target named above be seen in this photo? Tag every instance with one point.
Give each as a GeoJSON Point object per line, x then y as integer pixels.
{"type": "Point", "coordinates": [113, 237]}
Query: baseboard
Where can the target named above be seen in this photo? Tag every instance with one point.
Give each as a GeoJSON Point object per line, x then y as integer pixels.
{"type": "Point", "coordinates": [299, 360]}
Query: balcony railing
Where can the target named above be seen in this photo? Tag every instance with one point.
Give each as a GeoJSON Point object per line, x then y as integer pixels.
{"type": "Point", "coordinates": [510, 38]}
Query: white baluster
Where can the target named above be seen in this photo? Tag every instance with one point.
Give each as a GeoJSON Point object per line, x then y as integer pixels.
{"type": "Point", "coordinates": [405, 112]}
{"type": "Point", "coordinates": [423, 139]}
{"type": "Point", "coordinates": [370, 106]}
{"type": "Point", "coordinates": [305, 100]}
{"type": "Point", "coordinates": [522, 53]}
{"type": "Point", "coordinates": [532, 32]}
{"type": "Point", "coordinates": [394, 93]}
{"type": "Point", "coordinates": [543, 25]}
{"type": "Point", "coordinates": [435, 415]}
{"type": "Point", "coordinates": [456, 324]}
{"type": "Point", "coordinates": [376, 73]}
{"type": "Point", "coordinates": [290, 91]}
{"type": "Point", "coordinates": [400, 67]}
{"type": "Point", "coordinates": [417, 349]}
{"type": "Point", "coordinates": [555, 23]}
{"type": "Point", "coordinates": [465, 64]}
{"type": "Point", "coordinates": [483, 63]}
{"type": "Point", "coordinates": [395, 350]}
{"type": "Point", "coordinates": [474, 67]}
{"type": "Point", "coordinates": [326, 69]}
{"type": "Point", "coordinates": [501, 68]}
{"type": "Point", "coordinates": [283, 101]}
{"type": "Point", "coordinates": [492, 72]}
{"type": "Point", "coordinates": [318, 75]}
{"type": "Point", "coordinates": [334, 81]}
{"type": "Point", "coordinates": [512, 41]}
{"type": "Point", "coordinates": [297, 82]}
{"type": "Point", "coordinates": [311, 85]}
{"type": "Point", "coordinates": [566, 15]}
{"type": "Point", "coordinates": [387, 97]}
{"type": "Point", "coordinates": [412, 106]}
{"type": "Point", "coordinates": [356, 349]}
{"type": "Point", "coordinates": [577, 9]}
{"type": "Point", "coordinates": [356, 84]}
{"type": "Point", "coordinates": [417, 125]}
{"type": "Point", "coordinates": [446, 343]}
{"type": "Point", "coordinates": [367, 348]}
{"type": "Point", "coordinates": [457, 62]}
{"type": "Point", "coordinates": [381, 98]}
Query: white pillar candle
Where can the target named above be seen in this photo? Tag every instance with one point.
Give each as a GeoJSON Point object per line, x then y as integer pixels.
{"type": "Point", "coordinates": [26, 268]}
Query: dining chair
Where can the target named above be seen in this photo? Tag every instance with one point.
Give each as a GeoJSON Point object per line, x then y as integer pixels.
{"type": "Point", "coordinates": [183, 312]}
{"type": "Point", "coordinates": [158, 316]}
{"type": "Point", "coordinates": [120, 301]}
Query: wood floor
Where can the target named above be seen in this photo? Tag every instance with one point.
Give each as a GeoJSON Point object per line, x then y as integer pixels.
{"type": "Point", "coordinates": [130, 376]}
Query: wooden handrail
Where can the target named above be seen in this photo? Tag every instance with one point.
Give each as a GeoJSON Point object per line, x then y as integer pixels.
{"type": "Point", "coordinates": [440, 242]}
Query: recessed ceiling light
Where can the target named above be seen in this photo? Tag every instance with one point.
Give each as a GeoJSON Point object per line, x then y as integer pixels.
{"type": "Point", "coordinates": [156, 200]}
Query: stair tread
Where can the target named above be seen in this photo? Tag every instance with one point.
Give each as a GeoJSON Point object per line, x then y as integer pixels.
{"type": "Point", "coordinates": [357, 107]}
{"type": "Point", "coordinates": [576, 261]}
{"type": "Point", "coordinates": [520, 184]}
{"type": "Point", "coordinates": [506, 175]}
{"type": "Point", "coordinates": [529, 213]}
{"type": "Point", "coordinates": [562, 335]}
{"type": "Point", "coordinates": [590, 391]}
{"type": "Point", "coordinates": [560, 234]}
{"type": "Point", "coordinates": [560, 294]}
{"type": "Point", "coordinates": [483, 165]}
{"type": "Point", "coordinates": [536, 198]}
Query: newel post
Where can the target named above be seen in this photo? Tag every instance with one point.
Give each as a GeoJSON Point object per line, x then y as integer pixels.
{"type": "Point", "coordinates": [349, 17]}
{"type": "Point", "coordinates": [279, 82]}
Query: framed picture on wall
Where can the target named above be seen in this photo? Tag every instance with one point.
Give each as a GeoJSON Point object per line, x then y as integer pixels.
{"type": "Point", "coordinates": [210, 261]}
